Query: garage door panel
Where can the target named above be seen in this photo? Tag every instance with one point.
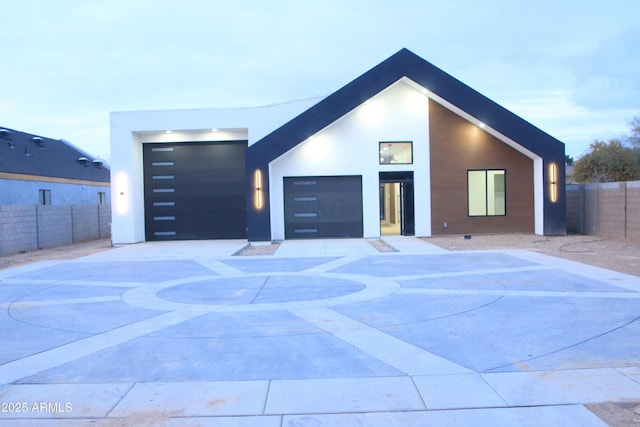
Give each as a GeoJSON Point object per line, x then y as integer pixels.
{"type": "Point", "coordinates": [317, 207]}
{"type": "Point", "coordinates": [195, 190]}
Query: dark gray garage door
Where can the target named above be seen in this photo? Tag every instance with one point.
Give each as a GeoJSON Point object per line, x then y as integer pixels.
{"type": "Point", "coordinates": [195, 190]}
{"type": "Point", "coordinates": [323, 206]}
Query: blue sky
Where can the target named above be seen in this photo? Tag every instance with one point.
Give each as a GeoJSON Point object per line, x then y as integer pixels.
{"type": "Point", "coordinates": [570, 67]}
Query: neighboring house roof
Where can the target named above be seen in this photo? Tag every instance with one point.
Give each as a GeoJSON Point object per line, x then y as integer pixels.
{"type": "Point", "coordinates": [404, 64]}
{"type": "Point", "coordinates": [27, 154]}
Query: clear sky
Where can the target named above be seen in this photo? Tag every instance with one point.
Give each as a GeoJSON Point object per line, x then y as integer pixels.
{"type": "Point", "coordinates": [570, 67]}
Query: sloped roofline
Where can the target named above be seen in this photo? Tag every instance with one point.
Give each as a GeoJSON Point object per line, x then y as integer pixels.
{"type": "Point", "coordinates": [443, 88]}
{"type": "Point", "coordinates": [404, 64]}
{"type": "Point", "coordinates": [25, 156]}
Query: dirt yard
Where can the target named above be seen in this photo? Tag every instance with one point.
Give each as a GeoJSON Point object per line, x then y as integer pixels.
{"type": "Point", "coordinates": [62, 252]}
{"type": "Point", "coordinates": [615, 254]}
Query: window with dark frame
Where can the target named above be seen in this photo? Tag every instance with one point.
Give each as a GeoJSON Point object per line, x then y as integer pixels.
{"type": "Point", "coordinates": [486, 192]}
{"type": "Point", "coordinates": [44, 197]}
{"type": "Point", "coordinates": [102, 198]}
{"type": "Point", "coordinates": [400, 152]}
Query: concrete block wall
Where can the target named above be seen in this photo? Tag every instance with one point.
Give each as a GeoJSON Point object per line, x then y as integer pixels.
{"type": "Point", "coordinates": [18, 229]}
{"type": "Point", "coordinates": [55, 226]}
{"type": "Point", "coordinates": [633, 210]}
{"type": "Point", "coordinates": [104, 221]}
{"type": "Point", "coordinates": [575, 208]}
{"type": "Point", "coordinates": [86, 223]}
{"type": "Point", "coordinates": [610, 209]}
{"type": "Point", "coordinates": [29, 227]}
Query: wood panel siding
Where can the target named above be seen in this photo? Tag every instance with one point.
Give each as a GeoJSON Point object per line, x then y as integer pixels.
{"type": "Point", "coordinates": [456, 146]}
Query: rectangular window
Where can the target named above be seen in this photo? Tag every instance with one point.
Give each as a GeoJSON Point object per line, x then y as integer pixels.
{"type": "Point", "coordinates": [486, 192]}
{"type": "Point", "coordinates": [395, 153]}
{"type": "Point", "coordinates": [44, 197]}
{"type": "Point", "coordinates": [102, 198]}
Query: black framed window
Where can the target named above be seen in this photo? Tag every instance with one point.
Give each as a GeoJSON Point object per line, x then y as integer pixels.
{"type": "Point", "coordinates": [396, 152]}
{"type": "Point", "coordinates": [486, 192]}
{"type": "Point", "coordinates": [44, 197]}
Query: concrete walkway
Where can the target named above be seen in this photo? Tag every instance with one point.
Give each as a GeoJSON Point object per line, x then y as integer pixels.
{"type": "Point", "coordinates": [327, 332]}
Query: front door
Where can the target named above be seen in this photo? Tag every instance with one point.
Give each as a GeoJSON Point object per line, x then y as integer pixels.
{"type": "Point", "coordinates": [397, 215]}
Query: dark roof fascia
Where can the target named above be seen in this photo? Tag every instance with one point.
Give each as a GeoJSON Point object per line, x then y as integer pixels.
{"type": "Point", "coordinates": [404, 63]}
{"type": "Point", "coordinates": [482, 108]}
{"type": "Point", "coordinates": [325, 112]}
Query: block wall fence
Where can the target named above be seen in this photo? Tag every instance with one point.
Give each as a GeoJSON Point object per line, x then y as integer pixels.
{"type": "Point", "coordinates": [610, 209]}
{"type": "Point", "coordinates": [30, 227]}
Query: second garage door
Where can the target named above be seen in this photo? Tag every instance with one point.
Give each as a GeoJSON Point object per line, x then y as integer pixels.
{"type": "Point", "coordinates": [323, 206]}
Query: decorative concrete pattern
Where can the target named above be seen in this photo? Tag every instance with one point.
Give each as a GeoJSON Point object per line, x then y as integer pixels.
{"type": "Point", "coordinates": [322, 333]}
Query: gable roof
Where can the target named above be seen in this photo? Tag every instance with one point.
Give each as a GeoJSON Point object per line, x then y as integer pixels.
{"type": "Point", "coordinates": [404, 64]}
{"type": "Point", "coordinates": [28, 154]}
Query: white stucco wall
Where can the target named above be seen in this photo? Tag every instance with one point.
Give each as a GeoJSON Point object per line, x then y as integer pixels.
{"type": "Point", "coordinates": [349, 146]}
{"type": "Point", "coordinates": [129, 130]}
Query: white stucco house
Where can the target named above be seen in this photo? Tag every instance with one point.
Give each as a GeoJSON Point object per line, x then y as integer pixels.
{"type": "Point", "coordinates": [403, 149]}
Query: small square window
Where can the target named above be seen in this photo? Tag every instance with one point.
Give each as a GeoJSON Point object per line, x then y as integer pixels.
{"type": "Point", "coordinates": [395, 152]}
{"type": "Point", "coordinates": [44, 197]}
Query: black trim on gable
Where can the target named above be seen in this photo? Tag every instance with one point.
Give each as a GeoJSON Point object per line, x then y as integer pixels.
{"type": "Point", "coordinates": [402, 64]}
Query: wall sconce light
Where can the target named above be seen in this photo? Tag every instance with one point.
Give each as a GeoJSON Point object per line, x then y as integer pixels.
{"type": "Point", "coordinates": [553, 182]}
{"type": "Point", "coordinates": [121, 187]}
{"type": "Point", "coordinates": [258, 197]}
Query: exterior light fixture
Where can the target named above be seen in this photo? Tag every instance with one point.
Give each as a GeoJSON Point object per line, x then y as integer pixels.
{"type": "Point", "coordinates": [121, 188]}
{"type": "Point", "coordinates": [258, 197]}
{"type": "Point", "coordinates": [553, 182]}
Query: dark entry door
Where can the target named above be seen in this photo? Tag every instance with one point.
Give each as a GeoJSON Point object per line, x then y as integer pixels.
{"type": "Point", "coordinates": [404, 181]}
{"type": "Point", "coordinates": [323, 206]}
{"type": "Point", "coordinates": [195, 190]}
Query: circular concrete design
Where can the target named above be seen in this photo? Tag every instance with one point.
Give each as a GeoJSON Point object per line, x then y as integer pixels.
{"type": "Point", "coordinates": [260, 290]}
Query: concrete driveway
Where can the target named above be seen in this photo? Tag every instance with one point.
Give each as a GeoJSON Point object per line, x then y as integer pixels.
{"type": "Point", "coordinates": [327, 332]}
